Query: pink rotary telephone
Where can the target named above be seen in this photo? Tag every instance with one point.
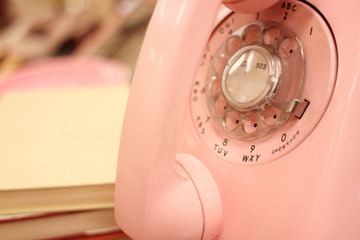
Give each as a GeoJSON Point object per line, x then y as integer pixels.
{"type": "Point", "coordinates": [242, 123]}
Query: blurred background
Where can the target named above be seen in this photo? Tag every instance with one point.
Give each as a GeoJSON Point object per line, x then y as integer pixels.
{"type": "Point", "coordinates": [65, 73]}
{"type": "Point", "coordinates": [34, 29]}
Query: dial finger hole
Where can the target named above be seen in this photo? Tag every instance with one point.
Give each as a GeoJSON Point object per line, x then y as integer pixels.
{"type": "Point", "coordinates": [219, 64]}
{"type": "Point", "coordinates": [251, 123]}
{"type": "Point", "coordinates": [233, 44]}
{"type": "Point", "coordinates": [251, 34]}
{"type": "Point", "coordinates": [287, 47]}
{"type": "Point", "coordinates": [271, 115]}
{"type": "Point", "coordinates": [216, 86]}
{"type": "Point", "coordinates": [271, 35]}
{"type": "Point", "coordinates": [232, 120]}
{"type": "Point", "coordinates": [220, 106]}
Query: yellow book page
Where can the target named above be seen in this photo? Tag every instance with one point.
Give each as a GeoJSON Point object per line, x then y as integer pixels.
{"type": "Point", "coordinates": [60, 137]}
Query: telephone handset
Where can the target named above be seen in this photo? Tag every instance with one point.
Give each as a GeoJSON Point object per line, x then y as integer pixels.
{"type": "Point", "coordinates": [239, 122]}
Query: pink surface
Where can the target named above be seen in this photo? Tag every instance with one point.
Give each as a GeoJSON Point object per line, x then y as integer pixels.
{"type": "Point", "coordinates": [156, 197]}
{"type": "Point", "coordinates": [312, 192]}
{"type": "Point", "coordinates": [248, 6]}
{"type": "Point", "coordinates": [65, 72]}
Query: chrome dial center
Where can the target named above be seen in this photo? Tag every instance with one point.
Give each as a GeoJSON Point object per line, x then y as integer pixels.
{"type": "Point", "coordinates": [250, 75]}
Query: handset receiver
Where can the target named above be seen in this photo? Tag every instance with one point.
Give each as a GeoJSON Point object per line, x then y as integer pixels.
{"type": "Point", "coordinates": [156, 193]}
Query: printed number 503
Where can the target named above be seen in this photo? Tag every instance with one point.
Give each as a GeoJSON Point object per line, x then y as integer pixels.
{"type": "Point", "coordinates": [261, 66]}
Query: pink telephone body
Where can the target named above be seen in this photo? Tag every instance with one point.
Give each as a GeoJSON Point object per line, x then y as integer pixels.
{"type": "Point", "coordinates": [243, 123]}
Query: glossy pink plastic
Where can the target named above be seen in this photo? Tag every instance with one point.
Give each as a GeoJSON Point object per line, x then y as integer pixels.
{"type": "Point", "coordinates": [159, 195]}
{"type": "Point", "coordinates": [312, 192]}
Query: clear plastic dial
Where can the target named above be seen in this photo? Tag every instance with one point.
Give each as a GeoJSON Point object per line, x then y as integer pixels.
{"type": "Point", "coordinates": [260, 66]}
{"type": "Point", "coordinates": [246, 114]}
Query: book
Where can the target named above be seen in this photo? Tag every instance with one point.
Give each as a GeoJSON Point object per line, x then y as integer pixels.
{"type": "Point", "coordinates": [93, 224]}
{"type": "Point", "coordinates": [57, 199]}
{"type": "Point", "coordinates": [60, 127]}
